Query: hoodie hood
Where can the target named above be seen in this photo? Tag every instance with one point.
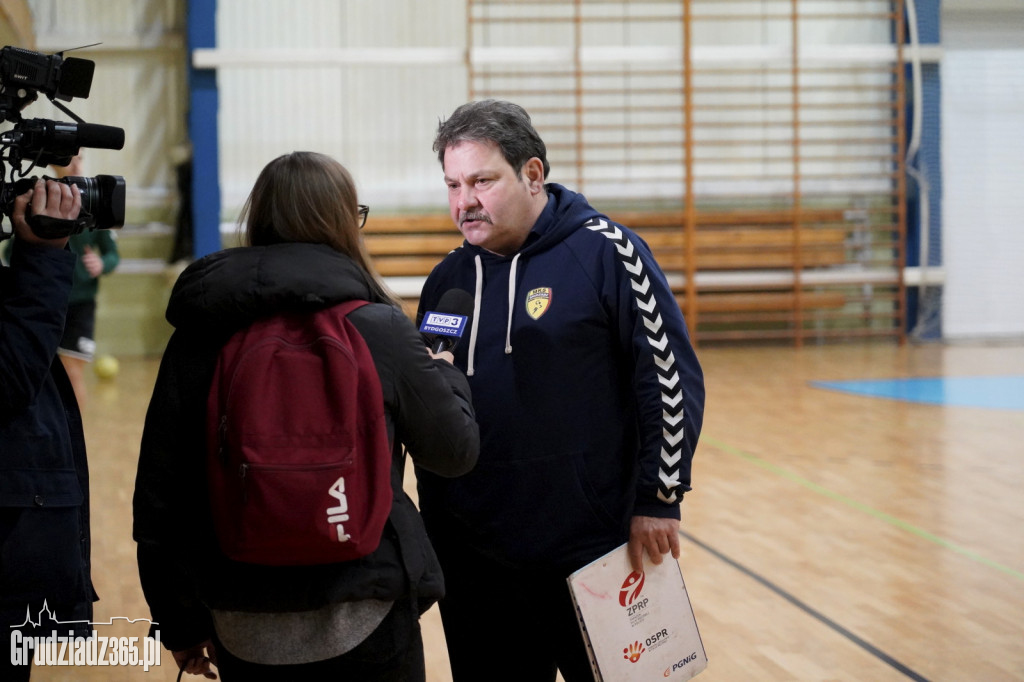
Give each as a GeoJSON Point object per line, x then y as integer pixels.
{"type": "Point", "coordinates": [565, 213]}
{"type": "Point", "coordinates": [229, 289]}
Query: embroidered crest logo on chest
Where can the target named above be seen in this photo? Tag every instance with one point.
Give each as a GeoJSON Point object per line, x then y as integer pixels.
{"type": "Point", "coordinates": [538, 301]}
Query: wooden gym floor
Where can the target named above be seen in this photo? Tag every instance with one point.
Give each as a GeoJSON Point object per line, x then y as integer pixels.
{"type": "Point", "coordinates": [829, 536]}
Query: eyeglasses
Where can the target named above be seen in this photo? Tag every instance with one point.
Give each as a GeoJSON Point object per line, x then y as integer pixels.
{"type": "Point", "coordinates": [363, 211]}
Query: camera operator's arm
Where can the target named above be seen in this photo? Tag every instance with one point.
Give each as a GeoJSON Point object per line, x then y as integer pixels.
{"type": "Point", "coordinates": [34, 296]}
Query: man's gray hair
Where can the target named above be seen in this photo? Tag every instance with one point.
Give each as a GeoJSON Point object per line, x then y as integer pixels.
{"type": "Point", "coordinates": [501, 123]}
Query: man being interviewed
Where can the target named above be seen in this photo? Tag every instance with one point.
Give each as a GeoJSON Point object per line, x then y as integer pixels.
{"type": "Point", "coordinates": [588, 394]}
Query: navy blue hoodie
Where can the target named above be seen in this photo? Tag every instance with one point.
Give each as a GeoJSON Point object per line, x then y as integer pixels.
{"type": "Point", "coordinates": [587, 390]}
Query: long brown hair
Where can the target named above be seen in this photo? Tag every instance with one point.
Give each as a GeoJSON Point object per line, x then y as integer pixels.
{"type": "Point", "coordinates": [311, 198]}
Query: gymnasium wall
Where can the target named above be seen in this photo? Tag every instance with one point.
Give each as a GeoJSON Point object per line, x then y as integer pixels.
{"type": "Point", "coordinates": [363, 81]}
{"type": "Point", "coordinates": [393, 68]}
{"type": "Point", "coordinates": [983, 148]}
{"type": "Point", "coordinates": [367, 82]}
{"type": "Point", "coordinates": [138, 85]}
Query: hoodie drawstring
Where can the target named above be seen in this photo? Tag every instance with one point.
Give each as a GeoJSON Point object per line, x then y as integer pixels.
{"type": "Point", "coordinates": [477, 295]}
{"type": "Point", "coordinates": [511, 303]}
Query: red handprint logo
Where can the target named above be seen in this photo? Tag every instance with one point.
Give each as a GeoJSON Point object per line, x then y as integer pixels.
{"type": "Point", "coordinates": [633, 651]}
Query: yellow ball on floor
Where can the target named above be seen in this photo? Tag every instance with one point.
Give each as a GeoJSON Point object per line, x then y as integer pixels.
{"type": "Point", "coordinates": [106, 366]}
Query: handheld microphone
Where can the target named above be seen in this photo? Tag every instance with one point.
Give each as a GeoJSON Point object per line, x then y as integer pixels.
{"type": "Point", "coordinates": [443, 328]}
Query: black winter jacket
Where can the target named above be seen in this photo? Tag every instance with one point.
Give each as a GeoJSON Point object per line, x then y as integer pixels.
{"type": "Point", "coordinates": [428, 409]}
{"type": "Point", "coordinates": [44, 477]}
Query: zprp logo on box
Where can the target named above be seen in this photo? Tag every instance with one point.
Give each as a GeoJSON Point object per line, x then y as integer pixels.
{"type": "Point", "coordinates": [443, 324]}
{"type": "Point", "coordinates": [631, 587]}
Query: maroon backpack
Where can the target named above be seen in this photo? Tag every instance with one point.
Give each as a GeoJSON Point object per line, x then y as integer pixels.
{"type": "Point", "coordinates": [298, 461]}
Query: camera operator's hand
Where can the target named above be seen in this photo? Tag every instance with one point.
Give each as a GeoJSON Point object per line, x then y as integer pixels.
{"type": "Point", "coordinates": [53, 199]}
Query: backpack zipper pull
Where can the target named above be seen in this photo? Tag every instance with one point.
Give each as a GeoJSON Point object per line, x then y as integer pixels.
{"type": "Point", "coordinates": [222, 439]}
{"type": "Point", "coordinates": [243, 471]}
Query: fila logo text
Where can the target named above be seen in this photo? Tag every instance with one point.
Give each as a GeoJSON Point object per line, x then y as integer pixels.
{"type": "Point", "coordinates": [338, 515]}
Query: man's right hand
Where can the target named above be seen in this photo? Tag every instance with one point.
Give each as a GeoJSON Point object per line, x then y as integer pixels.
{"type": "Point", "coordinates": [53, 199]}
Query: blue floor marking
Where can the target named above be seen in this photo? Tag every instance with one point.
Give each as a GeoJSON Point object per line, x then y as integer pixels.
{"type": "Point", "coordinates": [1002, 392]}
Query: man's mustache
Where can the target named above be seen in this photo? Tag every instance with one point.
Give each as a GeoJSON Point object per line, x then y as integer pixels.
{"type": "Point", "coordinates": [482, 217]}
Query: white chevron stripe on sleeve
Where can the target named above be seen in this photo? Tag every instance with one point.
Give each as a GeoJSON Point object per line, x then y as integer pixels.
{"type": "Point", "coordinates": [668, 374]}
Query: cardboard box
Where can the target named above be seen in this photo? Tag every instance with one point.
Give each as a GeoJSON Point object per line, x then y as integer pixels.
{"type": "Point", "coordinates": [638, 626]}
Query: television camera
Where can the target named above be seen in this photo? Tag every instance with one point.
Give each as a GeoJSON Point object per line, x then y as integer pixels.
{"type": "Point", "coordinates": [41, 142]}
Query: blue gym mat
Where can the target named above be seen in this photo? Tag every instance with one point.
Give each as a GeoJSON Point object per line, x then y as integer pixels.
{"type": "Point", "coordinates": [1002, 392]}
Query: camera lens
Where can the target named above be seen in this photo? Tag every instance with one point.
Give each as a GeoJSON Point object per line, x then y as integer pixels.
{"type": "Point", "coordinates": [102, 197]}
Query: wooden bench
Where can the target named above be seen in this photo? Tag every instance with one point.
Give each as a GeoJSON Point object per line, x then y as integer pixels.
{"type": "Point", "coordinates": [743, 248]}
{"type": "Point", "coordinates": [409, 246]}
{"type": "Point", "coordinates": [405, 249]}
{"type": "Point", "coordinates": [762, 301]}
{"type": "Point", "coordinates": [745, 242]}
{"type": "Point", "coordinates": [742, 240]}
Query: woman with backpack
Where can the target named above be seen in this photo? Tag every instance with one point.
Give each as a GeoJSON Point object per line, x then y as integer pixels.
{"type": "Point", "coordinates": [256, 470]}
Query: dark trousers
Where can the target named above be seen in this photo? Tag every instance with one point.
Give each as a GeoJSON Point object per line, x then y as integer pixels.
{"type": "Point", "coordinates": [392, 653]}
{"type": "Point", "coordinates": [504, 624]}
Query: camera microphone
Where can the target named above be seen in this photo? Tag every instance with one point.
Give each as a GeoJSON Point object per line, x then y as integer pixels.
{"type": "Point", "coordinates": [96, 136]}
{"type": "Point", "coordinates": [61, 137]}
{"type": "Point", "coordinates": [443, 328]}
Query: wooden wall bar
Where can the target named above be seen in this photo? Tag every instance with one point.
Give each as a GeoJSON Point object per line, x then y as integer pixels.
{"type": "Point", "coordinates": [784, 139]}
